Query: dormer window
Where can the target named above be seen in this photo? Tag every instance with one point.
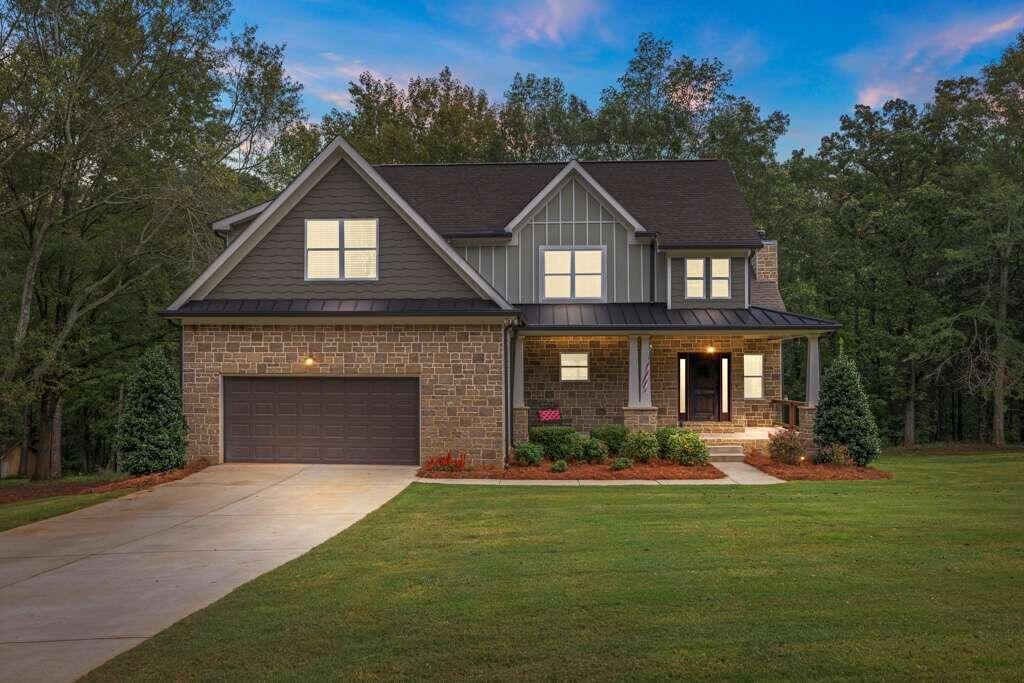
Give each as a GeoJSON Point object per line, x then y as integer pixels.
{"type": "Point", "coordinates": [573, 273]}
{"type": "Point", "coordinates": [339, 249]}
{"type": "Point", "coordinates": [708, 278]}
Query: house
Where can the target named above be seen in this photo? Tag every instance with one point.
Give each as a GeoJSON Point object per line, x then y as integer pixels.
{"type": "Point", "coordinates": [388, 314]}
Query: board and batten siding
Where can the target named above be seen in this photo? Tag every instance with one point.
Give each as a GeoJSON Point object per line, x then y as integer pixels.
{"type": "Point", "coordinates": [737, 282]}
{"type": "Point", "coordinates": [572, 217]}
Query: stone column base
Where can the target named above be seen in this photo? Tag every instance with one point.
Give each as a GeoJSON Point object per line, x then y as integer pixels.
{"type": "Point", "coordinates": [807, 417]}
{"type": "Point", "coordinates": [640, 419]}
{"type": "Point", "coordinates": [520, 425]}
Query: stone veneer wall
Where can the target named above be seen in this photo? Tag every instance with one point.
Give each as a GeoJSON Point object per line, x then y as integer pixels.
{"type": "Point", "coordinates": [459, 368]}
{"type": "Point", "coordinates": [766, 262]}
{"type": "Point", "coordinates": [584, 404]}
{"type": "Point", "coordinates": [745, 412]}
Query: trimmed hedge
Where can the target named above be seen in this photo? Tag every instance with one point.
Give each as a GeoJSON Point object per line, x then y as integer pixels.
{"type": "Point", "coordinates": [687, 448]}
{"type": "Point", "coordinates": [559, 466]}
{"type": "Point", "coordinates": [529, 453]}
{"type": "Point", "coordinates": [664, 434]}
{"type": "Point", "coordinates": [595, 451]}
{"type": "Point", "coordinates": [640, 446]}
{"type": "Point", "coordinates": [844, 415]}
{"type": "Point", "coordinates": [612, 436]}
{"type": "Point", "coordinates": [787, 447]}
{"type": "Point", "coordinates": [560, 443]}
{"type": "Point", "coordinates": [622, 464]}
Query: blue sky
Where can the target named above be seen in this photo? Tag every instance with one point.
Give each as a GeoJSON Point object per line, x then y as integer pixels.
{"type": "Point", "coordinates": [813, 61]}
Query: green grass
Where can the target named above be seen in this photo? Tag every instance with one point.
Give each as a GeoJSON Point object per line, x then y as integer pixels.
{"type": "Point", "coordinates": [101, 477]}
{"type": "Point", "coordinates": [28, 511]}
{"type": "Point", "coordinates": [919, 577]}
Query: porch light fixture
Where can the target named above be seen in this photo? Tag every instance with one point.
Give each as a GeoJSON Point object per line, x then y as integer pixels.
{"type": "Point", "coordinates": [308, 361]}
{"type": "Point", "coordinates": [710, 349]}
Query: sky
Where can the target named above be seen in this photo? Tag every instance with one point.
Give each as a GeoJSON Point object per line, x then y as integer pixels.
{"type": "Point", "coordinates": [812, 61]}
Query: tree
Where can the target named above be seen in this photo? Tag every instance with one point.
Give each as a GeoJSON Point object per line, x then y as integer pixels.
{"type": "Point", "coordinates": [151, 431]}
{"type": "Point", "coordinates": [844, 416]}
{"type": "Point", "coordinates": [540, 121]}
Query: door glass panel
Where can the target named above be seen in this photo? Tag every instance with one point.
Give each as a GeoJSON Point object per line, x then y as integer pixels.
{"type": "Point", "coordinates": [725, 385]}
{"type": "Point", "coordinates": [682, 385]}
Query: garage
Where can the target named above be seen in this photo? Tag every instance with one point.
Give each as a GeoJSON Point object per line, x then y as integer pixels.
{"type": "Point", "coordinates": [337, 420]}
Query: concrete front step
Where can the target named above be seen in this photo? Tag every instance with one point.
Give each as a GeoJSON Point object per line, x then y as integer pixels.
{"type": "Point", "coordinates": [726, 453]}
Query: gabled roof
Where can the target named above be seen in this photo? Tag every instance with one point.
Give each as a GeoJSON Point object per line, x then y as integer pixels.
{"type": "Point", "coordinates": [338, 151]}
{"type": "Point", "coordinates": [687, 203]}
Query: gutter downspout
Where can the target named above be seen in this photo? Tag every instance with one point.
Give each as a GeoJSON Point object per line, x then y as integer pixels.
{"type": "Point", "coordinates": [654, 269]}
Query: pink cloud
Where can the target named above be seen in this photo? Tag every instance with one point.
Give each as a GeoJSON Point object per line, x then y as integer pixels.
{"type": "Point", "coordinates": [910, 61]}
{"type": "Point", "coordinates": [548, 21]}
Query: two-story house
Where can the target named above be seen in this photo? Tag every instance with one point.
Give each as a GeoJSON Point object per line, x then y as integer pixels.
{"type": "Point", "coordinates": [388, 314]}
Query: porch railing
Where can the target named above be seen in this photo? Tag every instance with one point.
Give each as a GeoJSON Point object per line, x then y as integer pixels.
{"type": "Point", "coordinates": [786, 412]}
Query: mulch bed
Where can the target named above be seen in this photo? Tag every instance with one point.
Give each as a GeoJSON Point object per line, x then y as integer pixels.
{"type": "Point", "coordinates": [812, 472]}
{"type": "Point", "coordinates": [14, 494]}
{"type": "Point", "coordinates": [650, 471]}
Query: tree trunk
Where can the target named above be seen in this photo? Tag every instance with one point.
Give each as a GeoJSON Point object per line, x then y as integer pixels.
{"type": "Point", "coordinates": [909, 409]}
{"type": "Point", "coordinates": [26, 442]}
{"type": "Point", "coordinates": [1000, 359]}
{"type": "Point", "coordinates": [48, 459]}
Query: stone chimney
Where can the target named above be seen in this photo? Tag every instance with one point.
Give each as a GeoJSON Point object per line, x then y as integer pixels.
{"type": "Point", "coordinates": [766, 262]}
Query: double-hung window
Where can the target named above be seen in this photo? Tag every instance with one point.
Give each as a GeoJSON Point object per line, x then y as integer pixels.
{"type": "Point", "coordinates": [341, 249]}
{"type": "Point", "coordinates": [753, 375]}
{"type": "Point", "coordinates": [574, 367]}
{"type": "Point", "coordinates": [694, 278]}
{"type": "Point", "coordinates": [719, 278]}
{"type": "Point", "coordinates": [573, 273]}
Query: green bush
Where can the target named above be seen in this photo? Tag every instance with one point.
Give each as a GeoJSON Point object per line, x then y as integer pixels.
{"type": "Point", "coordinates": [787, 447]}
{"type": "Point", "coordinates": [664, 434]}
{"type": "Point", "coordinates": [833, 455]}
{"type": "Point", "coordinates": [151, 432]}
{"type": "Point", "coordinates": [844, 416]}
{"type": "Point", "coordinates": [559, 466]}
{"type": "Point", "coordinates": [595, 450]}
{"type": "Point", "coordinates": [560, 443]}
{"type": "Point", "coordinates": [622, 464]}
{"type": "Point", "coordinates": [611, 435]}
{"type": "Point", "coordinates": [687, 448]}
{"type": "Point", "coordinates": [640, 446]}
{"type": "Point", "coordinates": [529, 453]}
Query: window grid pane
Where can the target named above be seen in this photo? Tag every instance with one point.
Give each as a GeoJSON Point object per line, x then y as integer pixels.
{"type": "Point", "coordinates": [720, 267]}
{"type": "Point", "coordinates": [360, 264]}
{"type": "Point", "coordinates": [719, 289]}
{"type": "Point", "coordinates": [557, 286]}
{"type": "Point", "coordinates": [322, 264]}
{"type": "Point", "coordinates": [694, 289]}
{"type": "Point", "coordinates": [557, 262]}
{"type": "Point", "coordinates": [695, 267]}
{"type": "Point", "coordinates": [753, 387]}
{"type": "Point", "coordinates": [588, 262]}
{"type": "Point", "coordinates": [361, 234]}
{"type": "Point", "coordinates": [322, 234]}
{"type": "Point", "coordinates": [588, 287]}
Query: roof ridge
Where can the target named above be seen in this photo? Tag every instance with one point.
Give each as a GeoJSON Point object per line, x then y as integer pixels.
{"type": "Point", "coordinates": [550, 163]}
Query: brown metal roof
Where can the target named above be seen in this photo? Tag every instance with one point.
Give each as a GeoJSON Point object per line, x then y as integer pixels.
{"type": "Point", "coordinates": [658, 316]}
{"type": "Point", "coordinates": [687, 203]}
{"type": "Point", "coordinates": [335, 307]}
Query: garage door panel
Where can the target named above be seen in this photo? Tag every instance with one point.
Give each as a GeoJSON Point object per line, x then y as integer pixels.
{"type": "Point", "coordinates": [329, 420]}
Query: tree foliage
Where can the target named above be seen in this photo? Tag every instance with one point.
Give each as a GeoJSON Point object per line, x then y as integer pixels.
{"type": "Point", "coordinates": [844, 415]}
{"type": "Point", "coordinates": [151, 430]}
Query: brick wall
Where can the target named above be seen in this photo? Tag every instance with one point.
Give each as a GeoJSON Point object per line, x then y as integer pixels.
{"type": "Point", "coordinates": [745, 412]}
{"type": "Point", "coordinates": [584, 404]}
{"type": "Point", "coordinates": [459, 367]}
{"type": "Point", "coordinates": [766, 262]}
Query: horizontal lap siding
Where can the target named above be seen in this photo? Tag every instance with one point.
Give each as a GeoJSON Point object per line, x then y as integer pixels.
{"type": "Point", "coordinates": [737, 275]}
{"type": "Point", "coordinates": [408, 267]}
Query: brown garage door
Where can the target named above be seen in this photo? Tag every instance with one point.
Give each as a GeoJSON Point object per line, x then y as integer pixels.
{"type": "Point", "coordinates": [329, 420]}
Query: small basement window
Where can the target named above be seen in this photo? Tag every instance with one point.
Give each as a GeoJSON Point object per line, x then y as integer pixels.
{"type": "Point", "coordinates": [753, 375]}
{"type": "Point", "coordinates": [574, 367]}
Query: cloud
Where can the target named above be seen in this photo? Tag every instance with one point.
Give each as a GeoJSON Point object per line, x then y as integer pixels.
{"type": "Point", "coordinates": [328, 79]}
{"type": "Point", "coordinates": [739, 49]}
{"type": "Point", "coordinates": [549, 21]}
{"type": "Point", "coordinates": [909, 61]}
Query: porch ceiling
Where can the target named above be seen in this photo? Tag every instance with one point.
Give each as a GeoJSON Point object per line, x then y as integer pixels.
{"type": "Point", "coordinates": [658, 317]}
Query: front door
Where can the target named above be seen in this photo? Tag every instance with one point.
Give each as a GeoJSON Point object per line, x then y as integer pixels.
{"type": "Point", "coordinates": [703, 383]}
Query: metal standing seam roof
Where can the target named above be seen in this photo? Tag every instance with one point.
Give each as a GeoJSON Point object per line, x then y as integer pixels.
{"type": "Point", "coordinates": [335, 307]}
{"type": "Point", "coordinates": [658, 316]}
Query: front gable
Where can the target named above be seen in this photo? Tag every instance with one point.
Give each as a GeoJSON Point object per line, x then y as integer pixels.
{"type": "Point", "coordinates": [408, 268]}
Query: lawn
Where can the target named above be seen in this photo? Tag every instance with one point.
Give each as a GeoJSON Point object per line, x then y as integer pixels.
{"type": "Point", "coordinates": [28, 511]}
{"type": "Point", "coordinates": [916, 577]}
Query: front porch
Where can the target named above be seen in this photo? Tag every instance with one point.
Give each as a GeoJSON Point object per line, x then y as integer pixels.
{"type": "Point", "coordinates": [728, 387]}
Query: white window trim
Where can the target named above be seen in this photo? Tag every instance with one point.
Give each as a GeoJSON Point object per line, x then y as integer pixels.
{"type": "Point", "coordinates": [687, 278]}
{"type": "Point", "coordinates": [572, 271]}
{"type": "Point", "coordinates": [341, 251]}
{"type": "Point", "coordinates": [711, 277]}
{"type": "Point", "coordinates": [562, 366]}
{"type": "Point", "coordinates": [746, 376]}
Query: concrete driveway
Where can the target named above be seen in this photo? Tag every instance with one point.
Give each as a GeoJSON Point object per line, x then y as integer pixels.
{"type": "Point", "coordinates": [79, 589]}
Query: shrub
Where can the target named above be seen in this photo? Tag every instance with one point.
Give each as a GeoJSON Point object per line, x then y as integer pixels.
{"type": "Point", "coordinates": [664, 434]}
{"type": "Point", "coordinates": [640, 446]}
{"type": "Point", "coordinates": [622, 464]}
{"type": "Point", "coordinates": [611, 435]}
{"type": "Point", "coordinates": [787, 447]}
{"type": "Point", "coordinates": [559, 466]}
{"type": "Point", "coordinates": [687, 448]}
{"type": "Point", "coordinates": [529, 453]}
{"type": "Point", "coordinates": [560, 443]}
{"type": "Point", "coordinates": [844, 415]}
{"type": "Point", "coordinates": [837, 454]}
{"type": "Point", "coordinates": [151, 431]}
{"type": "Point", "coordinates": [445, 463]}
{"type": "Point", "coordinates": [595, 450]}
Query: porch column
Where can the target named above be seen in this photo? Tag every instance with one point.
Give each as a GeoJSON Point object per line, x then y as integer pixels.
{"type": "Point", "coordinates": [813, 370]}
{"type": "Point", "coordinates": [645, 372]}
{"type": "Point", "coordinates": [634, 372]}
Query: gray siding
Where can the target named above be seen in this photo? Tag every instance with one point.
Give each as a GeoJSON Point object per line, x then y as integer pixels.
{"type": "Point", "coordinates": [407, 266]}
{"type": "Point", "coordinates": [737, 299]}
{"type": "Point", "coordinates": [571, 217]}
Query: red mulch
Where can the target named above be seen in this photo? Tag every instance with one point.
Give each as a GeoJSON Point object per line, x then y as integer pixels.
{"type": "Point", "coordinates": [31, 492]}
{"type": "Point", "coordinates": [811, 472]}
{"type": "Point", "coordinates": [657, 469]}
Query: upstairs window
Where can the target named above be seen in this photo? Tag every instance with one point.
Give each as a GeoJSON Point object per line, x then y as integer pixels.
{"type": "Point", "coordinates": [573, 273]}
{"type": "Point", "coordinates": [694, 278]}
{"type": "Point", "coordinates": [341, 249]}
{"type": "Point", "coordinates": [720, 278]}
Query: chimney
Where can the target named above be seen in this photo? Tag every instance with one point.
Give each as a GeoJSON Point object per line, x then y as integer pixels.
{"type": "Point", "coordinates": [766, 261]}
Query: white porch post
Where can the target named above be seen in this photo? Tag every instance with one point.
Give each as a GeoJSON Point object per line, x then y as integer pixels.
{"type": "Point", "coordinates": [634, 372]}
{"type": "Point", "coordinates": [813, 370]}
{"type": "Point", "coordinates": [518, 373]}
{"type": "Point", "coordinates": [645, 371]}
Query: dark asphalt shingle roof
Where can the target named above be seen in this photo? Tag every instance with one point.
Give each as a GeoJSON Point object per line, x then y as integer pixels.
{"type": "Point", "coordinates": [658, 316]}
{"type": "Point", "coordinates": [688, 203]}
{"type": "Point", "coordinates": [356, 307]}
